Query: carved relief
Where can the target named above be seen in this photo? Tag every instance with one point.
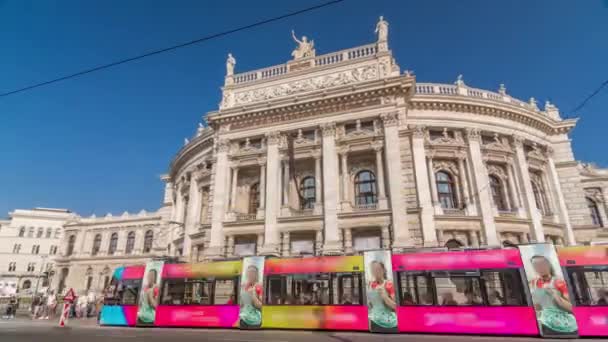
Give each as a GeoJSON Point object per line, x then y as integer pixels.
{"type": "Point", "coordinates": [223, 145]}
{"type": "Point", "coordinates": [390, 119]}
{"type": "Point", "coordinates": [273, 138]}
{"type": "Point", "coordinates": [498, 144]}
{"type": "Point", "coordinates": [356, 75]}
{"type": "Point", "coordinates": [328, 129]}
{"type": "Point", "coordinates": [473, 134]}
{"type": "Point", "coordinates": [446, 165]}
{"type": "Point", "coordinates": [445, 139]}
{"type": "Point", "coordinates": [496, 170]}
{"type": "Point", "coordinates": [420, 131]}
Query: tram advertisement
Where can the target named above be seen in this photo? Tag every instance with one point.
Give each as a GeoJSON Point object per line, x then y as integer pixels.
{"type": "Point", "coordinates": [380, 290]}
{"type": "Point", "coordinates": [554, 312]}
{"type": "Point", "coordinates": [251, 291]}
{"type": "Point", "coordinates": [150, 293]}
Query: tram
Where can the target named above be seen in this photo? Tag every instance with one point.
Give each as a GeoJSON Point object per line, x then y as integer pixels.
{"type": "Point", "coordinates": [524, 291]}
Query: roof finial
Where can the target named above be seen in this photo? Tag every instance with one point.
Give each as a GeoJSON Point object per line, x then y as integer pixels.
{"type": "Point", "coordinates": [502, 90]}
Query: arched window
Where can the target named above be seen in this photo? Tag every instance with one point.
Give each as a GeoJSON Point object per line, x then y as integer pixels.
{"type": "Point", "coordinates": [71, 242]}
{"type": "Point", "coordinates": [40, 233]}
{"type": "Point", "coordinates": [497, 194]}
{"type": "Point", "coordinates": [130, 243]}
{"type": "Point", "coordinates": [308, 191]}
{"type": "Point", "coordinates": [22, 232]}
{"type": "Point", "coordinates": [540, 199]}
{"type": "Point", "coordinates": [453, 244]}
{"type": "Point", "coordinates": [49, 232]}
{"type": "Point", "coordinates": [596, 218]}
{"type": "Point", "coordinates": [96, 244]}
{"type": "Point", "coordinates": [445, 190]}
{"type": "Point", "coordinates": [365, 188]}
{"type": "Point", "coordinates": [113, 243]}
{"type": "Point", "coordinates": [26, 285]}
{"type": "Point", "coordinates": [254, 198]}
{"type": "Point", "coordinates": [148, 239]}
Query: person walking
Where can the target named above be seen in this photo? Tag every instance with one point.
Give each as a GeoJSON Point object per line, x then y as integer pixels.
{"type": "Point", "coordinates": [51, 305]}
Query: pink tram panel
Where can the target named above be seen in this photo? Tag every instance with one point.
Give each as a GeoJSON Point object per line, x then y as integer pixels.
{"type": "Point", "coordinates": [504, 320]}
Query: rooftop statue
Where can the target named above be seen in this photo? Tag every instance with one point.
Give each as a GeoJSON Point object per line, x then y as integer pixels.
{"type": "Point", "coordinates": [230, 63]}
{"type": "Point", "coordinates": [305, 47]}
{"type": "Point", "coordinates": [382, 29]}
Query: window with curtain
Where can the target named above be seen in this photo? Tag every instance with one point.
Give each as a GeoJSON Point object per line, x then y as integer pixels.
{"type": "Point", "coordinates": [539, 198]}
{"type": "Point", "coordinates": [113, 243]}
{"type": "Point", "coordinates": [365, 188]}
{"type": "Point", "coordinates": [445, 190]}
{"type": "Point", "coordinates": [96, 244]}
{"type": "Point", "coordinates": [148, 239]}
{"type": "Point", "coordinates": [130, 243]}
{"type": "Point", "coordinates": [594, 210]}
{"type": "Point", "coordinates": [308, 191]}
{"type": "Point", "coordinates": [498, 196]}
{"type": "Point", "coordinates": [71, 243]}
{"type": "Point", "coordinates": [254, 198]}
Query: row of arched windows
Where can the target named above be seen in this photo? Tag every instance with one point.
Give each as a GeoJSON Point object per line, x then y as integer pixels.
{"type": "Point", "coordinates": [112, 246]}
{"type": "Point", "coordinates": [365, 191]}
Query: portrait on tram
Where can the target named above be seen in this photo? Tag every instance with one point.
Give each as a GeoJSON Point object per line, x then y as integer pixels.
{"type": "Point", "coordinates": [149, 294]}
{"type": "Point", "coordinates": [549, 291]}
{"type": "Point", "coordinates": [251, 292]}
{"type": "Point", "coordinates": [380, 290]}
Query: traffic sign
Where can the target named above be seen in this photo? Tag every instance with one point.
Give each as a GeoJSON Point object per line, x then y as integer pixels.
{"type": "Point", "coordinates": [70, 296]}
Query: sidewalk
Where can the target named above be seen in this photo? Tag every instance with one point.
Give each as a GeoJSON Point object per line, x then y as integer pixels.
{"type": "Point", "coordinates": [84, 322]}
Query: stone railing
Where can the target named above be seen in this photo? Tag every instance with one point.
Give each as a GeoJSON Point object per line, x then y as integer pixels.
{"type": "Point", "coordinates": [453, 90]}
{"type": "Point", "coordinates": [245, 217]}
{"type": "Point", "coordinates": [301, 212]}
{"type": "Point", "coordinates": [453, 212]}
{"type": "Point", "coordinates": [366, 206]}
{"type": "Point", "coordinates": [322, 60]}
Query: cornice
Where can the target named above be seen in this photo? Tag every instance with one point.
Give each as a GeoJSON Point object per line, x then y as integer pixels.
{"type": "Point", "coordinates": [194, 147]}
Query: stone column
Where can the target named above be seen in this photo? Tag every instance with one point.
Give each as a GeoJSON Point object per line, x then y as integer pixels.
{"type": "Point", "coordinates": [561, 203]}
{"type": "Point", "coordinates": [529, 201]}
{"type": "Point", "coordinates": [395, 180]}
{"type": "Point", "coordinates": [348, 241]}
{"type": "Point", "coordinates": [220, 197]}
{"type": "Point", "coordinates": [286, 241]}
{"type": "Point", "coordinates": [194, 212]}
{"type": "Point", "coordinates": [260, 242]}
{"type": "Point", "coordinates": [548, 189]}
{"type": "Point", "coordinates": [285, 184]}
{"type": "Point", "coordinates": [473, 238]}
{"type": "Point", "coordinates": [318, 210]}
{"type": "Point", "coordinates": [345, 203]}
{"type": "Point", "coordinates": [466, 197]}
{"type": "Point", "coordinates": [235, 179]}
{"type": "Point", "coordinates": [230, 246]}
{"type": "Point", "coordinates": [423, 188]}
{"type": "Point", "coordinates": [332, 243]}
{"type": "Point", "coordinates": [382, 201]}
{"type": "Point", "coordinates": [386, 237]}
{"type": "Point", "coordinates": [482, 186]}
{"type": "Point", "coordinates": [262, 188]}
{"type": "Point", "coordinates": [516, 205]}
{"type": "Point", "coordinates": [506, 191]}
{"type": "Point", "coordinates": [434, 194]}
{"type": "Point", "coordinates": [271, 233]}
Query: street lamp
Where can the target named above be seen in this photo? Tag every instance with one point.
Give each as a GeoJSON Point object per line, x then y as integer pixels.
{"type": "Point", "coordinates": [40, 274]}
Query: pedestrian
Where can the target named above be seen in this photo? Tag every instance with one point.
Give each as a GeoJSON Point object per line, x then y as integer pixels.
{"type": "Point", "coordinates": [51, 305]}
{"type": "Point", "coordinates": [91, 301]}
{"type": "Point", "coordinates": [35, 306]}
{"type": "Point", "coordinates": [42, 308]}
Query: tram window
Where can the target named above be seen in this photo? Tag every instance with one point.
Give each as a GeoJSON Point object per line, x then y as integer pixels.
{"type": "Point", "coordinates": [198, 292]}
{"type": "Point", "coordinates": [503, 287]}
{"type": "Point", "coordinates": [173, 292]}
{"type": "Point", "coordinates": [458, 290]}
{"type": "Point", "coordinates": [300, 289]}
{"type": "Point", "coordinates": [346, 289]}
{"type": "Point", "coordinates": [224, 292]}
{"type": "Point", "coordinates": [416, 289]}
{"type": "Point", "coordinates": [129, 289]}
{"type": "Point", "coordinates": [590, 286]}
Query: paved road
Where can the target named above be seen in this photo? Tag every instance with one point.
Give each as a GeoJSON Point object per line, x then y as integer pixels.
{"type": "Point", "coordinates": [37, 331]}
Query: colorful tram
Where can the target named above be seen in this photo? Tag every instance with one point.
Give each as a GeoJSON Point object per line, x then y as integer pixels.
{"type": "Point", "coordinates": [514, 291]}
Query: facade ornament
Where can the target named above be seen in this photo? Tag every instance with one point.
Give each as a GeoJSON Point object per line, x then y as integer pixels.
{"type": "Point", "coordinates": [224, 128]}
{"type": "Point", "coordinates": [223, 145]}
{"type": "Point", "coordinates": [536, 152]}
{"type": "Point", "coordinates": [473, 134]}
{"type": "Point", "coordinates": [328, 129]}
{"type": "Point", "coordinates": [502, 90]}
{"type": "Point", "coordinates": [532, 103]}
{"type": "Point", "coordinates": [498, 144]}
{"type": "Point", "coordinates": [595, 194]}
{"type": "Point", "coordinates": [262, 161]}
{"type": "Point", "coordinates": [390, 119]}
{"type": "Point", "coordinates": [230, 63]}
{"type": "Point", "coordinates": [315, 154]}
{"type": "Point", "coordinates": [552, 111]}
{"type": "Point", "coordinates": [496, 170]}
{"type": "Point", "coordinates": [459, 82]}
{"type": "Point", "coordinates": [377, 146]}
{"type": "Point", "coordinates": [518, 141]}
{"type": "Point", "coordinates": [420, 131]}
{"type": "Point", "coordinates": [343, 150]}
{"type": "Point", "coordinates": [186, 141]}
{"type": "Point", "coordinates": [445, 165]}
{"type": "Point", "coordinates": [273, 138]}
{"type": "Point", "coordinates": [382, 33]}
{"type": "Point", "coordinates": [304, 49]}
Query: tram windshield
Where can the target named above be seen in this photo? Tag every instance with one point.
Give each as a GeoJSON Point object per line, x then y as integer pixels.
{"type": "Point", "coordinates": [123, 292]}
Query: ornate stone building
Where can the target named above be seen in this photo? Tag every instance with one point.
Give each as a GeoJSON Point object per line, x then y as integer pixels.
{"type": "Point", "coordinates": [342, 152]}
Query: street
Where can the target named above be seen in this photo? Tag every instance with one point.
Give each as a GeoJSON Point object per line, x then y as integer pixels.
{"type": "Point", "coordinates": [35, 331]}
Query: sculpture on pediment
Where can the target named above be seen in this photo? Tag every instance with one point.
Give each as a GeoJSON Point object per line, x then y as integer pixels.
{"type": "Point", "coordinates": [230, 63]}
{"type": "Point", "coordinates": [382, 29]}
{"type": "Point", "coordinates": [305, 47]}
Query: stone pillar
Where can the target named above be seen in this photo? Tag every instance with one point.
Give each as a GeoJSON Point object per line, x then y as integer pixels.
{"type": "Point", "coordinates": [529, 201]}
{"type": "Point", "coordinates": [285, 185]}
{"type": "Point", "coordinates": [345, 203]}
{"type": "Point", "coordinates": [423, 188]}
{"type": "Point", "coordinates": [219, 199]}
{"type": "Point", "coordinates": [561, 203]}
{"type": "Point", "coordinates": [330, 190]}
{"type": "Point", "coordinates": [474, 240]}
{"type": "Point", "coordinates": [168, 193]}
{"type": "Point", "coordinates": [516, 205]}
{"type": "Point", "coordinates": [433, 182]}
{"type": "Point", "coordinates": [191, 221]}
{"type": "Point", "coordinates": [262, 188]}
{"type": "Point", "coordinates": [318, 210]}
{"type": "Point", "coordinates": [230, 246]}
{"type": "Point", "coordinates": [548, 190]}
{"type": "Point", "coordinates": [482, 186]}
{"type": "Point", "coordinates": [348, 241]}
{"type": "Point", "coordinates": [386, 237]}
{"type": "Point", "coordinates": [464, 184]}
{"type": "Point", "coordinates": [286, 241]}
{"type": "Point", "coordinates": [506, 191]}
{"type": "Point", "coordinates": [260, 242]}
{"type": "Point", "coordinates": [395, 179]}
{"type": "Point", "coordinates": [271, 233]}
{"type": "Point", "coordinates": [235, 180]}
{"type": "Point", "coordinates": [382, 201]}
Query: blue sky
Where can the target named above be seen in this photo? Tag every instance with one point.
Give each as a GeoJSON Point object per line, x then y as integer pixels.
{"type": "Point", "coordinates": [99, 143]}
